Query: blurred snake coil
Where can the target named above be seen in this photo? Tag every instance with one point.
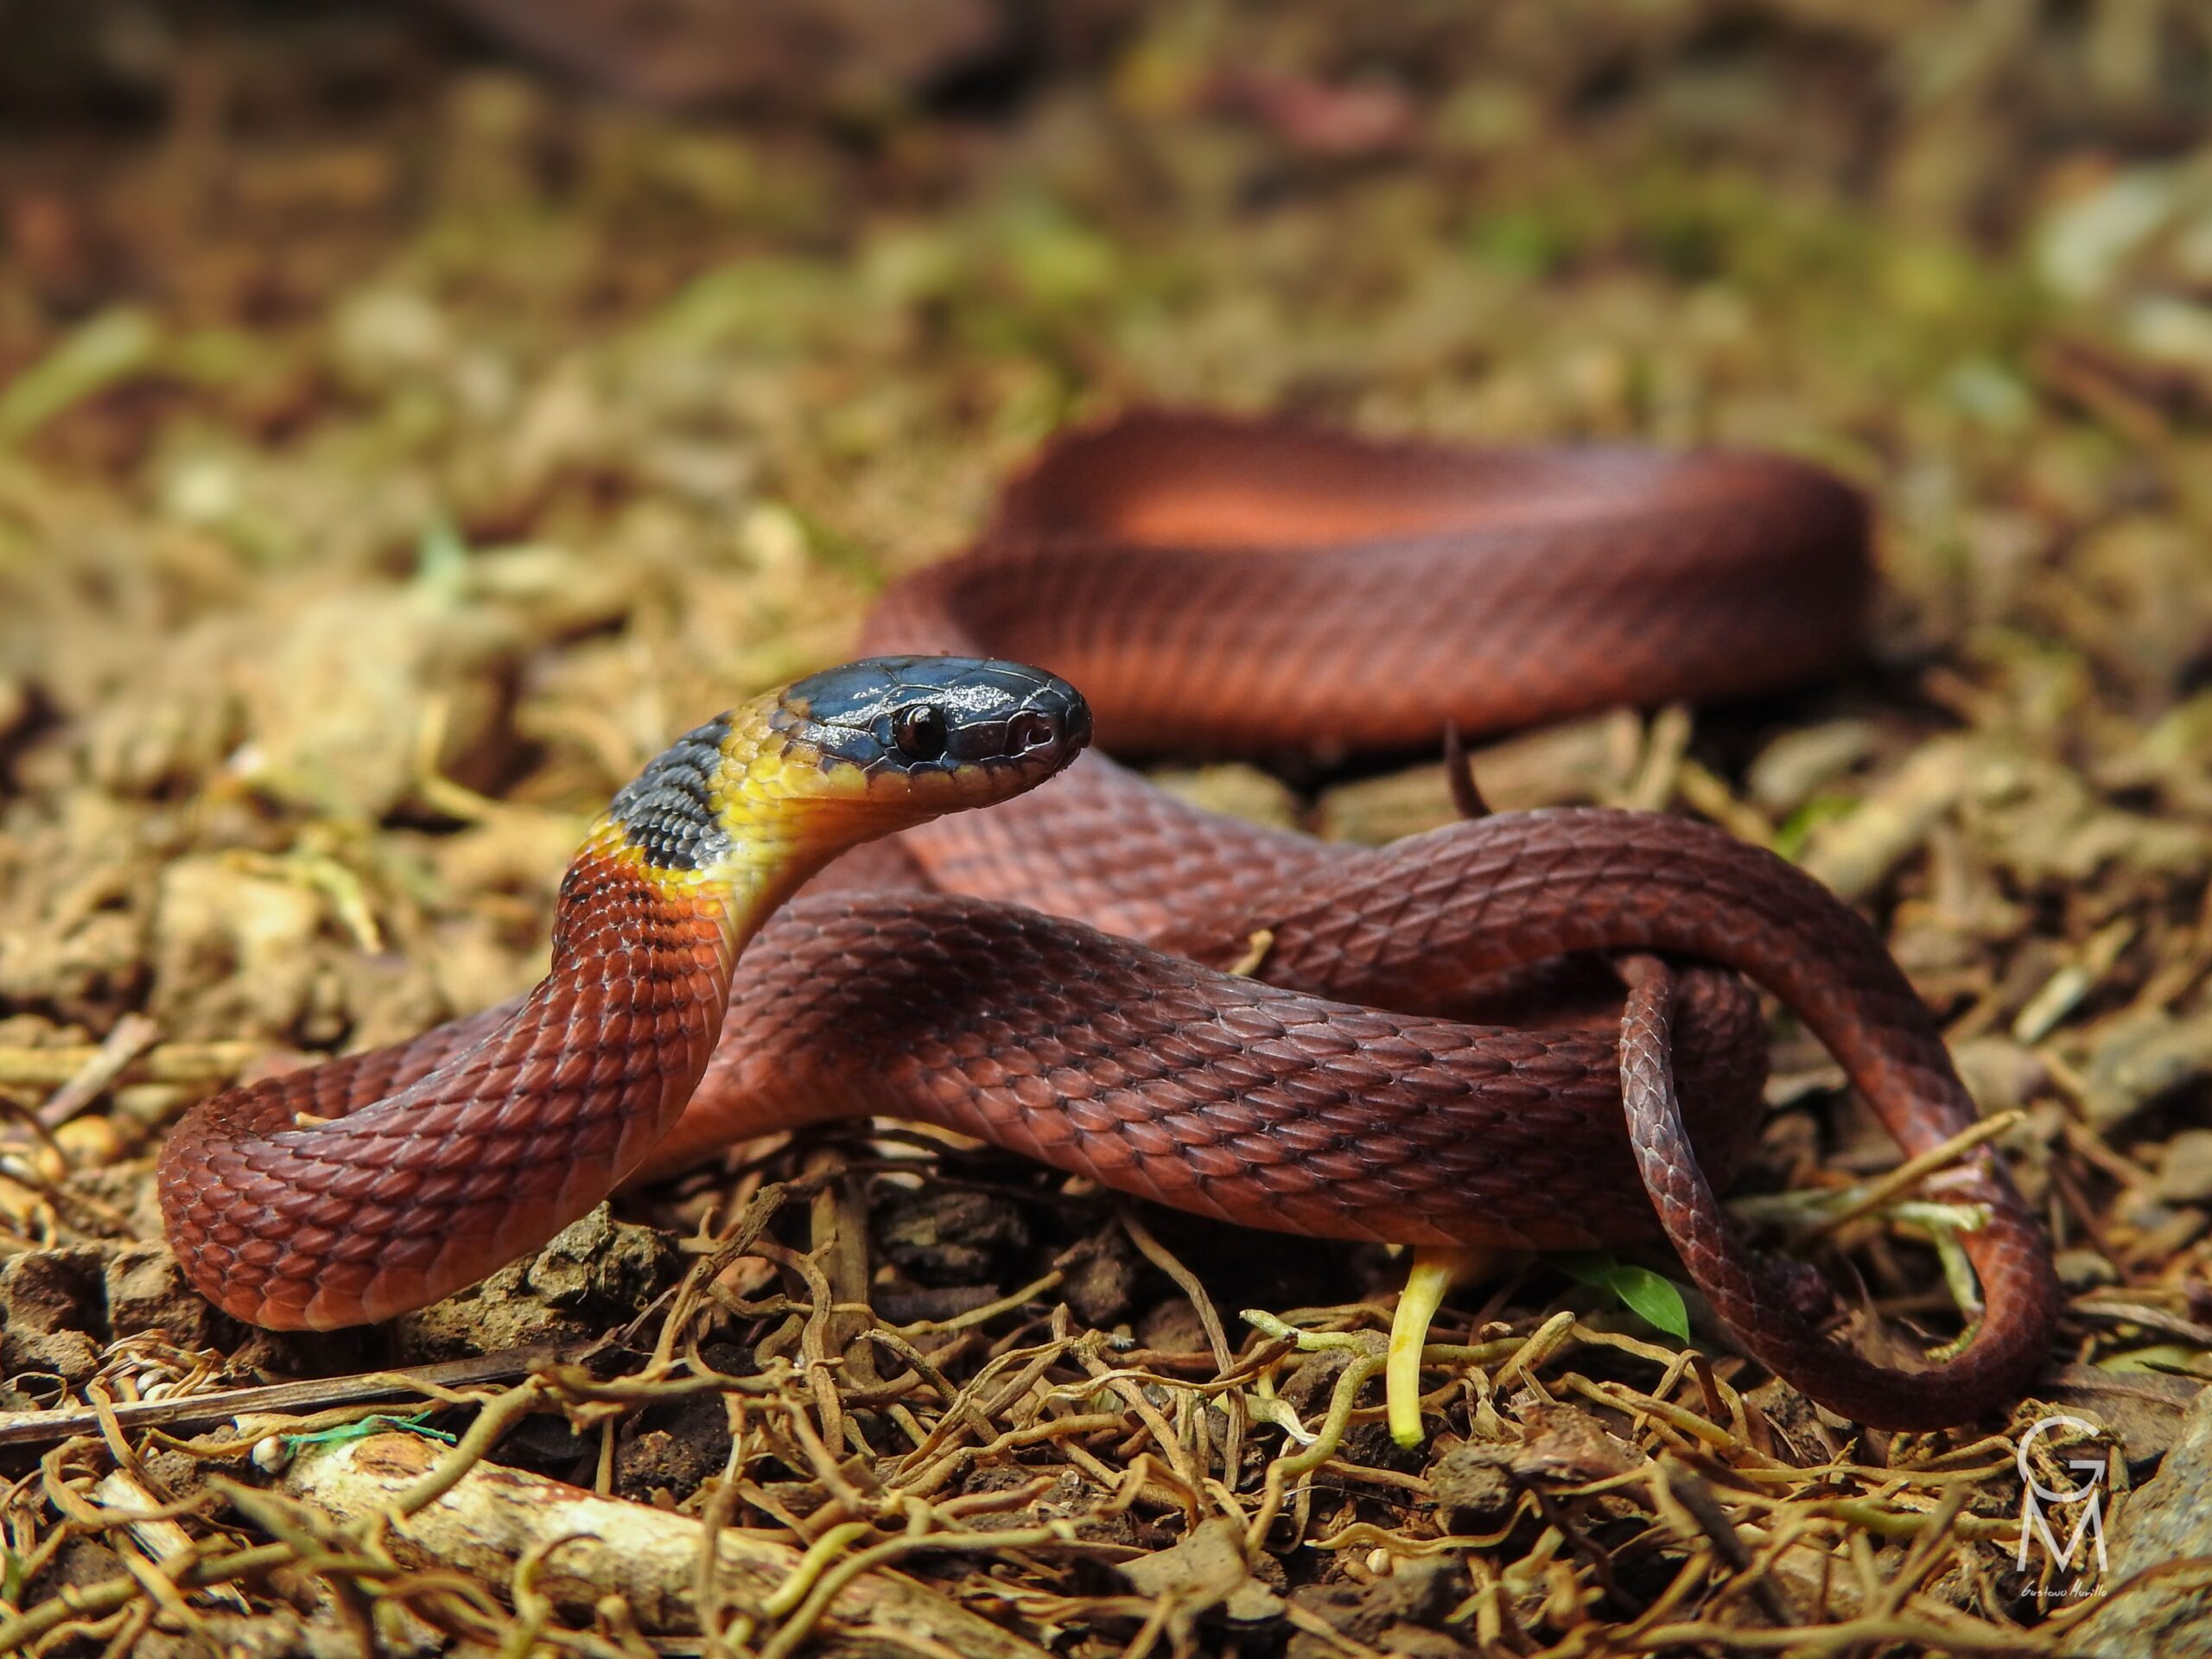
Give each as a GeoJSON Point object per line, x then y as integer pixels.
{"type": "Point", "coordinates": [1435, 1049]}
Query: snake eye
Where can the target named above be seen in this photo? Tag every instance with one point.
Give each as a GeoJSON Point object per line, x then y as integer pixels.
{"type": "Point", "coordinates": [921, 732]}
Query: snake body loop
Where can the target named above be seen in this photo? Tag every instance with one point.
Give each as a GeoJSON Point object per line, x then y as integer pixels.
{"type": "Point", "coordinates": [1425, 1056]}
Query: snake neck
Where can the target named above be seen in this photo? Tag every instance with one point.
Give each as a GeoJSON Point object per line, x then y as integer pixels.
{"type": "Point", "coordinates": [713, 827]}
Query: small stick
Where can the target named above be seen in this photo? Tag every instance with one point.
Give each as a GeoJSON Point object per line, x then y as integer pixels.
{"type": "Point", "coordinates": [133, 1035]}
{"type": "Point", "coordinates": [1877, 1192]}
{"type": "Point", "coordinates": [1459, 772]}
{"type": "Point", "coordinates": [54, 1068]}
{"type": "Point", "coordinates": [197, 1411]}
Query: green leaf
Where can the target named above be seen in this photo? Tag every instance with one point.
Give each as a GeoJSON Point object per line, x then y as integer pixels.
{"type": "Point", "coordinates": [1653, 1298]}
{"type": "Point", "coordinates": [1796, 830]}
{"type": "Point", "coordinates": [379, 1424]}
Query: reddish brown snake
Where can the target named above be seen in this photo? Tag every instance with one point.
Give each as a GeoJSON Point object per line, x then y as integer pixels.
{"type": "Point", "coordinates": [1241, 587]}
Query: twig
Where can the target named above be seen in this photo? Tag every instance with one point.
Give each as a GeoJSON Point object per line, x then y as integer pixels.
{"type": "Point", "coordinates": [197, 1411]}
{"type": "Point", "coordinates": [133, 1035]}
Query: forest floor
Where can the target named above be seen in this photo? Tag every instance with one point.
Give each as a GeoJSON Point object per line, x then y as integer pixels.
{"type": "Point", "coordinates": [397, 449]}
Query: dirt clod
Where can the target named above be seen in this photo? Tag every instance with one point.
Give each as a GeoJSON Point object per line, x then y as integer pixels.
{"type": "Point", "coordinates": [593, 1271]}
{"type": "Point", "coordinates": [952, 1235]}
{"type": "Point", "coordinates": [147, 1292]}
{"type": "Point", "coordinates": [51, 1315]}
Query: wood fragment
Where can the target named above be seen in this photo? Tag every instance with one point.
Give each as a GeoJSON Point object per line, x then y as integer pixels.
{"type": "Point", "coordinates": [495, 1517]}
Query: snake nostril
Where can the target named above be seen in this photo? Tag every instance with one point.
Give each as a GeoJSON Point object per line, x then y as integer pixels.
{"type": "Point", "coordinates": [1030, 730]}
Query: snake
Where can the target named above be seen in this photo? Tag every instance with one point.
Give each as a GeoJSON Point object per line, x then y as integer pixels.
{"type": "Point", "coordinates": [1529, 1030]}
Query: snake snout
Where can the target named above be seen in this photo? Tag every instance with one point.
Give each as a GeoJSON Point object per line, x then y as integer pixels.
{"type": "Point", "coordinates": [1074, 724]}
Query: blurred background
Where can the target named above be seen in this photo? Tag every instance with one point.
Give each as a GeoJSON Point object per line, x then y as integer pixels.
{"type": "Point", "coordinates": [411, 415]}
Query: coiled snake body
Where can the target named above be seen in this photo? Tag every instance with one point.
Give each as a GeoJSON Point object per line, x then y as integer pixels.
{"type": "Point", "coordinates": [1048, 975]}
